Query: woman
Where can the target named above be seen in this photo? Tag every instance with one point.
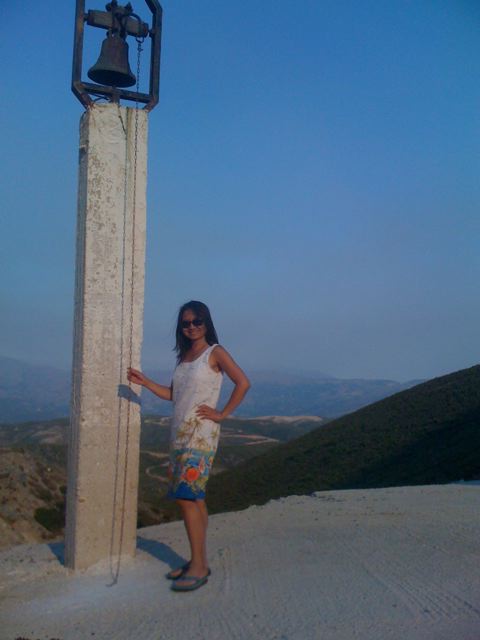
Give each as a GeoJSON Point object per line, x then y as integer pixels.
{"type": "Point", "coordinates": [195, 429]}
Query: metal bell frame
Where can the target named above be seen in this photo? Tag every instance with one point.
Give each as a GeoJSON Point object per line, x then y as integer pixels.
{"type": "Point", "coordinates": [133, 27]}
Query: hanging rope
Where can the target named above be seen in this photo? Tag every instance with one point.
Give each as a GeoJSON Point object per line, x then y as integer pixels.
{"type": "Point", "coordinates": [116, 570]}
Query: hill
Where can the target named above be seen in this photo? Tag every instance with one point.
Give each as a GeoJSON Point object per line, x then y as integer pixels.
{"type": "Point", "coordinates": [32, 495]}
{"type": "Point", "coordinates": [427, 434]}
{"type": "Point", "coordinates": [29, 392]}
{"type": "Point", "coordinates": [33, 461]}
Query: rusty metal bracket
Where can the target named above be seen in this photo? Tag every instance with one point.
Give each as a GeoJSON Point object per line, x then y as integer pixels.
{"type": "Point", "coordinates": [103, 20]}
{"type": "Point", "coordinates": [138, 29]}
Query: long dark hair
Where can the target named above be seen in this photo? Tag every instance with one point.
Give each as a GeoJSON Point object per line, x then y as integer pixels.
{"type": "Point", "coordinates": [182, 343]}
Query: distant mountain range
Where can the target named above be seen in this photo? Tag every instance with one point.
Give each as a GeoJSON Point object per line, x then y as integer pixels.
{"type": "Point", "coordinates": [32, 392]}
{"type": "Point", "coordinates": [427, 434]}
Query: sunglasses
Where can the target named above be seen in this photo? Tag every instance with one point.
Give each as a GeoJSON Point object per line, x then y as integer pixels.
{"type": "Point", "coordinates": [198, 322]}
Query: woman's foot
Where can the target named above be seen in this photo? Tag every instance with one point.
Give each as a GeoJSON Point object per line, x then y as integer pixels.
{"type": "Point", "coordinates": [192, 578]}
{"type": "Point", "coordinates": [176, 573]}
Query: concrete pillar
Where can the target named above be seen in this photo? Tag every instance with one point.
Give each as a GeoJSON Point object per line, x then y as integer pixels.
{"type": "Point", "coordinates": [103, 455]}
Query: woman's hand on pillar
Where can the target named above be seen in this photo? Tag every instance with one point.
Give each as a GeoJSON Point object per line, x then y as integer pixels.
{"type": "Point", "coordinates": [136, 376]}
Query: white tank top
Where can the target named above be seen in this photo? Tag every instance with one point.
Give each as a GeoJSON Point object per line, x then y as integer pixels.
{"type": "Point", "coordinates": [195, 383]}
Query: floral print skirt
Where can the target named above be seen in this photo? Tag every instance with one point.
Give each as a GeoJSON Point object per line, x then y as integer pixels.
{"type": "Point", "coordinates": [188, 473]}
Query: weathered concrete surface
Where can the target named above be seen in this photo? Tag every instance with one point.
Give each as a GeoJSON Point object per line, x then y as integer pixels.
{"type": "Point", "coordinates": [105, 421]}
{"type": "Point", "coordinates": [378, 564]}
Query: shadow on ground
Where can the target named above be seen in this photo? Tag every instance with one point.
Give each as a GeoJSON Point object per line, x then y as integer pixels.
{"type": "Point", "coordinates": [160, 551]}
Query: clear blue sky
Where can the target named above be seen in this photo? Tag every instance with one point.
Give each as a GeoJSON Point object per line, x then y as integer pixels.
{"type": "Point", "coordinates": [313, 177]}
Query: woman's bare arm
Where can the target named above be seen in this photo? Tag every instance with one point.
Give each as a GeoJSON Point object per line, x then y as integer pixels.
{"type": "Point", "coordinates": [160, 390]}
{"type": "Point", "coordinates": [221, 360]}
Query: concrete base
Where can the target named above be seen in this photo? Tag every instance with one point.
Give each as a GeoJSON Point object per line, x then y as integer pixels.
{"type": "Point", "coordinates": [377, 564]}
{"type": "Point", "coordinates": [105, 413]}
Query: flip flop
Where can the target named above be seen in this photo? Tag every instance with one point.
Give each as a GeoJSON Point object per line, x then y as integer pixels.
{"type": "Point", "coordinates": [197, 582]}
{"type": "Point", "coordinates": [169, 575]}
{"type": "Point", "coordinates": [185, 567]}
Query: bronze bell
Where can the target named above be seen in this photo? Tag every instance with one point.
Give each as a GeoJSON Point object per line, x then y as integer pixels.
{"type": "Point", "coordinates": [112, 67]}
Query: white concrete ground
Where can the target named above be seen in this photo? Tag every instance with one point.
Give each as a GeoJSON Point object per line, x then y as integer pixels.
{"type": "Point", "coordinates": [381, 564]}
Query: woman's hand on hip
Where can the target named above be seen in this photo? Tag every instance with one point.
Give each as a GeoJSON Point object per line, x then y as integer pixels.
{"type": "Point", "coordinates": [204, 411]}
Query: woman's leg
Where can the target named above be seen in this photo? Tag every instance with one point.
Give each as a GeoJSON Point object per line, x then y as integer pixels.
{"type": "Point", "coordinates": [195, 519]}
{"type": "Point", "coordinates": [203, 510]}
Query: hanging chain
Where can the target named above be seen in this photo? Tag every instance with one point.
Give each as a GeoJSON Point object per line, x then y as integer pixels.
{"type": "Point", "coordinates": [140, 41]}
{"type": "Point", "coordinates": [135, 155]}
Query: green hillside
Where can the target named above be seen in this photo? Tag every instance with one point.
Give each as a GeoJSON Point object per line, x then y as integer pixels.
{"type": "Point", "coordinates": [427, 434]}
